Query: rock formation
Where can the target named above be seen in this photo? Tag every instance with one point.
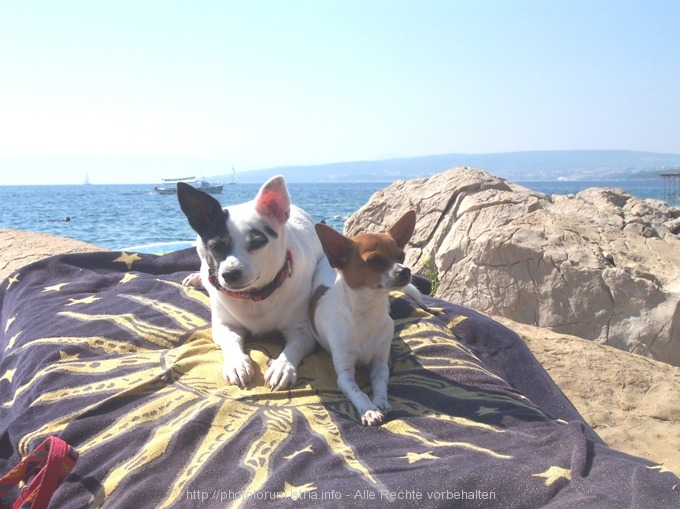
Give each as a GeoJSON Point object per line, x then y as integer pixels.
{"type": "Point", "coordinates": [602, 265]}
{"type": "Point", "coordinates": [632, 402]}
{"type": "Point", "coordinates": [19, 248]}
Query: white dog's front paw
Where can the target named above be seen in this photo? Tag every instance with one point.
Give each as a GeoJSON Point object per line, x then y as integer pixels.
{"type": "Point", "coordinates": [193, 280]}
{"type": "Point", "coordinates": [238, 370]}
{"type": "Point", "coordinates": [382, 403]}
{"type": "Point", "coordinates": [372, 417]}
{"type": "Point", "coordinates": [281, 374]}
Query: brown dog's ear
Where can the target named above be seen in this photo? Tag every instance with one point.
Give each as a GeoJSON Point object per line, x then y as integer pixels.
{"type": "Point", "coordinates": [202, 210]}
{"type": "Point", "coordinates": [402, 230]}
{"type": "Point", "coordinates": [337, 247]}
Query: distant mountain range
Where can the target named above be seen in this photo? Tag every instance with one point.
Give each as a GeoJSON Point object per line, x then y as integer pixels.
{"type": "Point", "coordinates": [524, 166]}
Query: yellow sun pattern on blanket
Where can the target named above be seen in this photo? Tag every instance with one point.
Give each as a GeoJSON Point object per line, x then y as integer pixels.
{"type": "Point", "coordinates": [185, 376]}
{"type": "Point", "coordinates": [158, 363]}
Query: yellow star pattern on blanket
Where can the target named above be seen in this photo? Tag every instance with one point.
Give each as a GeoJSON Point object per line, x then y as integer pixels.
{"type": "Point", "coordinates": [128, 259]}
{"type": "Point", "coordinates": [553, 474]}
{"type": "Point", "coordinates": [55, 288]}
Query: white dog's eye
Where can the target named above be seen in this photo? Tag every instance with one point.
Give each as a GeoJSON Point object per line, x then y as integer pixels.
{"type": "Point", "coordinates": [255, 240]}
{"type": "Point", "coordinates": [218, 245]}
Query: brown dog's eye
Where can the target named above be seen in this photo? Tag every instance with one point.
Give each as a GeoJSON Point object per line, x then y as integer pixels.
{"type": "Point", "coordinates": [376, 261]}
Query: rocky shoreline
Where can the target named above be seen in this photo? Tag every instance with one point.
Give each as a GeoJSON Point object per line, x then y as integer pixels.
{"type": "Point", "coordinates": [631, 401]}
{"type": "Point", "coordinates": [19, 248]}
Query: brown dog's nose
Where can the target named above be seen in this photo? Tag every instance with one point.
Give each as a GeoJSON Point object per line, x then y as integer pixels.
{"type": "Point", "coordinates": [403, 275]}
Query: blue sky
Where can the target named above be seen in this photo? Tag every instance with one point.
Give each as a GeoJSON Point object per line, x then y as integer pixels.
{"type": "Point", "coordinates": [201, 86]}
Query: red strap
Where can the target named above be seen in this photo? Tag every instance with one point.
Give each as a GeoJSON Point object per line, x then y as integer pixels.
{"type": "Point", "coordinates": [52, 460]}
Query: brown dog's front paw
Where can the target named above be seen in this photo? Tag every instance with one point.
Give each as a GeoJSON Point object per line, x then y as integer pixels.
{"type": "Point", "coordinates": [372, 418]}
{"type": "Point", "coordinates": [280, 375]}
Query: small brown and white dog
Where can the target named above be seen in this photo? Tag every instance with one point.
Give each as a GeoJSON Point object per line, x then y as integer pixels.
{"type": "Point", "coordinates": [350, 307]}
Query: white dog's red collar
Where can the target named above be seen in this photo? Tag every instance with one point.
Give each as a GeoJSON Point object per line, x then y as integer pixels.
{"type": "Point", "coordinates": [257, 294]}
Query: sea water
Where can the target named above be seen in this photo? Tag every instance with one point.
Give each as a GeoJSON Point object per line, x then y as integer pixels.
{"type": "Point", "coordinates": [123, 216]}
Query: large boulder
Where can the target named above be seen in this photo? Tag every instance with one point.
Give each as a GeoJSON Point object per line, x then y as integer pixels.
{"type": "Point", "coordinates": [602, 265]}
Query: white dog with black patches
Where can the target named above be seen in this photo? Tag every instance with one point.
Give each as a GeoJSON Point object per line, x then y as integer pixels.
{"type": "Point", "coordinates": [257, 263]}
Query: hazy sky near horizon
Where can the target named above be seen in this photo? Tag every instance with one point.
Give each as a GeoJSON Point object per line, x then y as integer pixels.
{"type": "Point", "coordinates": [256, 84]}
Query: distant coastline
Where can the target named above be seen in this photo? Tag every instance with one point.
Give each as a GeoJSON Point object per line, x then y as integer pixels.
{"type": "Point", "coordinates": [568, 165]}
{"type": "Point", "coordinates": [515, 166]}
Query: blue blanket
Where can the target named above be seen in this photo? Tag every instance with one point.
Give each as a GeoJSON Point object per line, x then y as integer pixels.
{"type": "Point", "coordinates": [109, 352]}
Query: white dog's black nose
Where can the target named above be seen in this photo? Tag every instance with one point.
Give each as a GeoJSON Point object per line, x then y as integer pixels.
{"type": "Point", "coordinates": [232, 276]}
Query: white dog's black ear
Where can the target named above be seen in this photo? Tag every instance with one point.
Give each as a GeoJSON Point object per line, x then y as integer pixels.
{"type": "Point", "coordinates": [402, 230]}
{"type": "Point", "coordinates": [204, 212]}
{"type": "Point", "coordinates": [336, 246]}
